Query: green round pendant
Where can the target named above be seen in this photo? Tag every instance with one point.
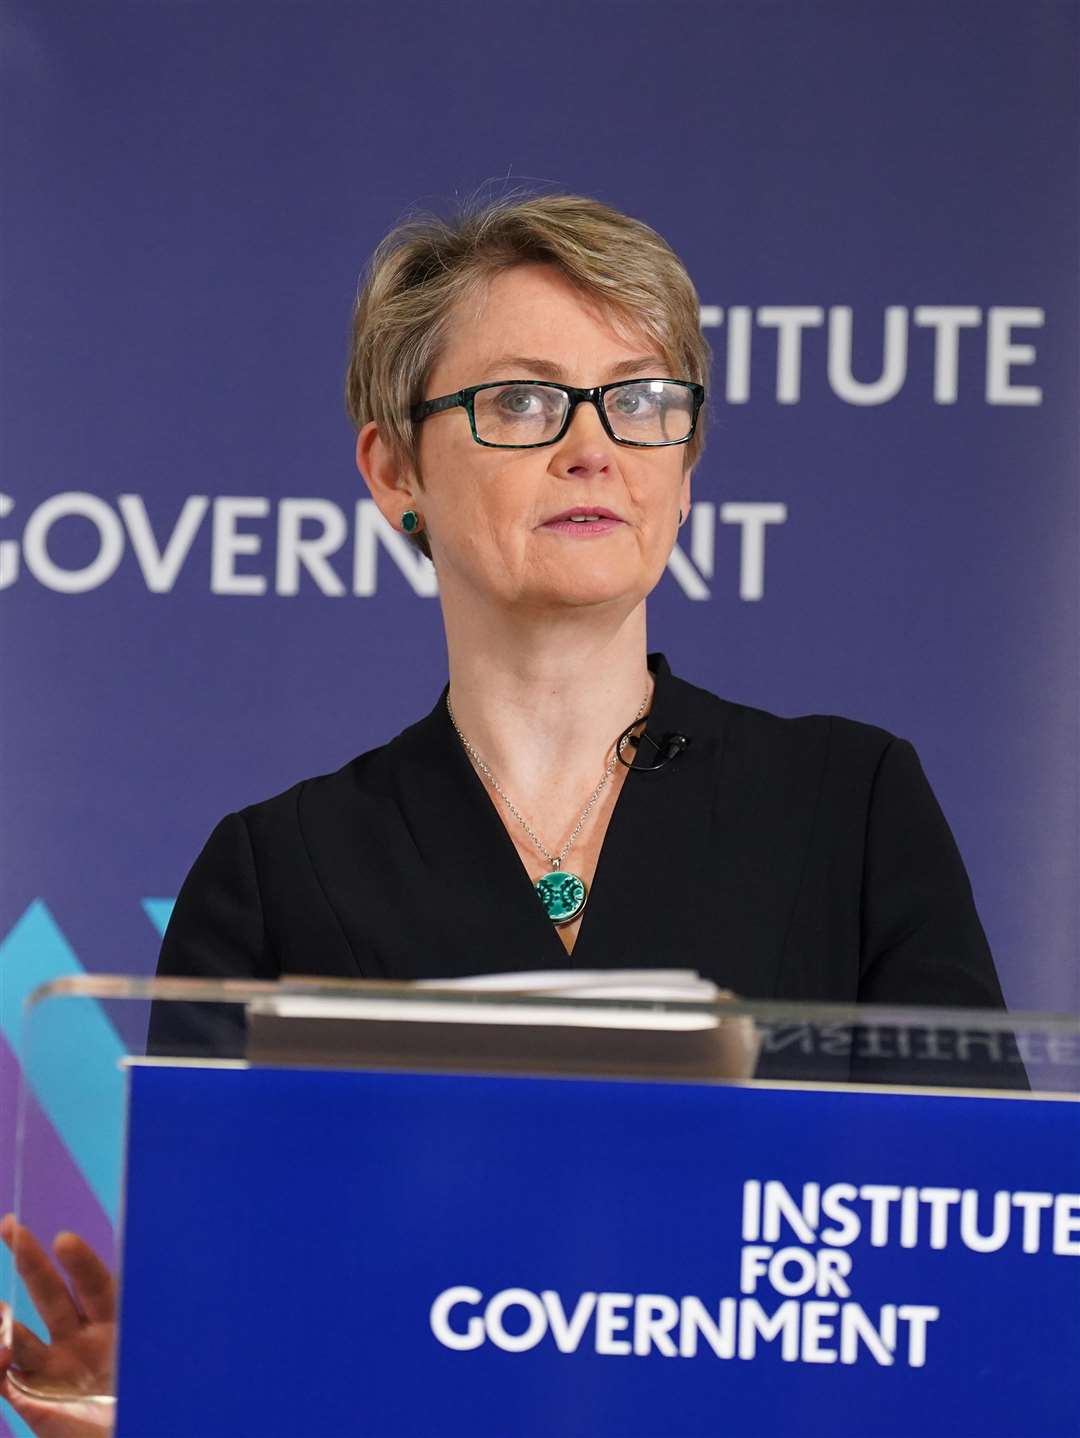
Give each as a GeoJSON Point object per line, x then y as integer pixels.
{"type": "Point", "coordinates": [563, 895]}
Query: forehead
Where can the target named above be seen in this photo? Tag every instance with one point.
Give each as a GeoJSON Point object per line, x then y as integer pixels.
{"type": "Point", "coordinates": [535, 310]}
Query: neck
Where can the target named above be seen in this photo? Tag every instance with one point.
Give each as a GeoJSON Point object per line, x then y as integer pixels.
{"type": "Point", "coordinates": [543, 699]}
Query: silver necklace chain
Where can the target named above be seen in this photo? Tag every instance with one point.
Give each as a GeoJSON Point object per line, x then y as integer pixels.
{"type": "Point", "coordinates": [555, 860]}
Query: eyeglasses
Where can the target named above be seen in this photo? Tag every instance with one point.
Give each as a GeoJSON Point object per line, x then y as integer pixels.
{"type": "Point", "coordinates": [524, 414]}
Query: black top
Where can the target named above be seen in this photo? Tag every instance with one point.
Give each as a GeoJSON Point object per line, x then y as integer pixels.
{"type": "Point", "coordinates": [784, 858]}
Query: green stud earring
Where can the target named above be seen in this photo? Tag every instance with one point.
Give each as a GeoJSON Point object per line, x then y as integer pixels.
{"type": "Point", "coordinates": [410, 521]}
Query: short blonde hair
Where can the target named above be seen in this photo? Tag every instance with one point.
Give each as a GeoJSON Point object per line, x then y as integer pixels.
{"type": "Point", "coordinates": [425, 265]}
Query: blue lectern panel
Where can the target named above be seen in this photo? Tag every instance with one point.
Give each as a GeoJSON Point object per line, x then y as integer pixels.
{"type": "Point", "coordinates": [393, 1255]}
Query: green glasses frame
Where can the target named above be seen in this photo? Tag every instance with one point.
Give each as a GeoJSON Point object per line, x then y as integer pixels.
{"type": "Point", "coordinates": [464, 398]}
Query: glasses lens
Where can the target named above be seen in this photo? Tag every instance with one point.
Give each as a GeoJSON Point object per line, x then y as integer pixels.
{"type": "Point", "coordinates": [519, 413]}
{"type": "Point", "coordinates": [651, 411]}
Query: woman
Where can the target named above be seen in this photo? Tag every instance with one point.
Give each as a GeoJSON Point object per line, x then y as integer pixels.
{"type": "Point", "coordinates": [527, 385]}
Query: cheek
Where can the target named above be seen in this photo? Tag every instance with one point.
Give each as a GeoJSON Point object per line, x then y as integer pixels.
{"type": "Point", "coordinates": [659, 492]}
{"type": "Point", "coordinates": [476, 502]}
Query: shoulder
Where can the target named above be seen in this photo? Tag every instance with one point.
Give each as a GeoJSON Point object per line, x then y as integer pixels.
{"type": "Point", "coordinates": [834, 745]}
{"type": "Point", "coordinates": [366, 783]}
{"type": "Point", "coordinates": [363, 777]}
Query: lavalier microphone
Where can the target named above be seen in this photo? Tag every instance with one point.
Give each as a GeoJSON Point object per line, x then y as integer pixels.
{"type": "Point", "coordinates": [665, 749]}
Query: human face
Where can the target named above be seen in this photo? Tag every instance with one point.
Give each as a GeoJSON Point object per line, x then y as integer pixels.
{"type": "Point", "coordinates": [493, 515]}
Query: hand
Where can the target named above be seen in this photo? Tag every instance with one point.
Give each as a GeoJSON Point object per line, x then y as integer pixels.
{"type": "Point", "coordinates": [79, 1359]}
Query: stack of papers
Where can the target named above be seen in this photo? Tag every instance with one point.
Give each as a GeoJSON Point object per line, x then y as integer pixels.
{"type": "Point", "coordinates": [612, 1023]}
{"type": "Point", "coordinates": [658, 985]}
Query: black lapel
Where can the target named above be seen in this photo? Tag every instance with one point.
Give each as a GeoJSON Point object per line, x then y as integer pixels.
{"type": "Point", "coordinates": [765, 803]}
{"type": "Point", "coordinates": [703, 859]}
{"type": "Point", "coordinates": [645, 909]}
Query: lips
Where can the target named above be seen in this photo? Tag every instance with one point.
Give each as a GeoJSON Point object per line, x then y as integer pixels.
{"type": "Point", "coordinates": [584, 515]}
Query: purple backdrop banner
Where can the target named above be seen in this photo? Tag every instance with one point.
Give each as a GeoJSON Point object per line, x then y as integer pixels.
{"type": "Point", "coordinates": [878, 204]}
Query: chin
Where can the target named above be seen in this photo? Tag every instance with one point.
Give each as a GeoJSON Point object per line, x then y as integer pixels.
{"type": "Point", "coordinates": [587, 591]}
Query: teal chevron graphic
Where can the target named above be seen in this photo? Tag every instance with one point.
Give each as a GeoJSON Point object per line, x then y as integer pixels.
{"type": "Point", "coordinates": [71, 1062]}
{"type": "Point", "coordinates": [69, 1051]}
{"type": "Point", "coordinates": [159, 912]}
{"type": "Point", "coordinates": [13, 1291]}
{"type": "Point", "coordinates": [71, 1059]}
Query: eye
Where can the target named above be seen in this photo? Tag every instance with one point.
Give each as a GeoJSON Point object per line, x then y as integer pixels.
{"type": "Point", "coordinates": [637, 400]}
{"type": "Point", "coordinates": [522, 401]}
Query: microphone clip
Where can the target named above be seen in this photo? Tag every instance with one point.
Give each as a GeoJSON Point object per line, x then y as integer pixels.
{"type": "Point", "coordinates": [668, 748]}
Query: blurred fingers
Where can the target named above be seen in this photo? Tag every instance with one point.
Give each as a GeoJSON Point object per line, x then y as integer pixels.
{"type": "Point", "coordinates": [47, 1289]}
{"type": "Point", "coordinates": [27, 1350]}
{"type": "Point", "coordinates": [23, 1348]}
{"type": "Point", "coordinates": [94, 1286]}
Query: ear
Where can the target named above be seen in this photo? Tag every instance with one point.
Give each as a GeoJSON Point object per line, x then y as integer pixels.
{"type": "Point", "coordinates": [392, 483]}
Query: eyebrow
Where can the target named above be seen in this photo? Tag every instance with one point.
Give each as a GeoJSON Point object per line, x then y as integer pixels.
{"type": "Point", "coordinates": [512, 365]}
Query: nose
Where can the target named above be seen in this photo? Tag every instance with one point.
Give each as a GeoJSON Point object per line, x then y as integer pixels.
{"type": "Point", "coordinates": [585, 450]}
